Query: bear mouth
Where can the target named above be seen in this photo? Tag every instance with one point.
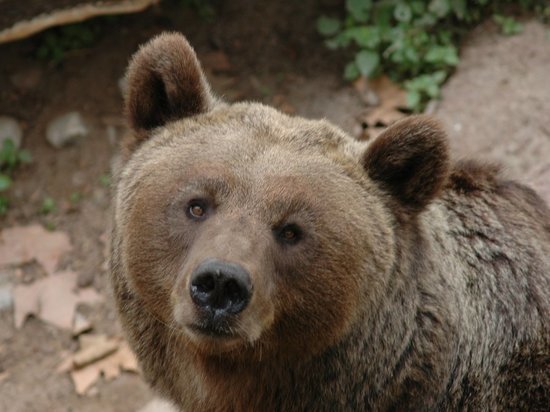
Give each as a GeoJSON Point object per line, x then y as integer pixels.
{"type": "Point", "coordinates": [212, 331]}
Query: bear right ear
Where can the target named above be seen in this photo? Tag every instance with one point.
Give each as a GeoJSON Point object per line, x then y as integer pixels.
{"type": "Point", "coordinates": [165, 83]}
{"type": "Point", "coordinates": [410, 161]}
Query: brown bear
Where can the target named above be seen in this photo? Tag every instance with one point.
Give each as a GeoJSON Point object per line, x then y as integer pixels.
{"type": "Point", "coordinates": [263, 262]}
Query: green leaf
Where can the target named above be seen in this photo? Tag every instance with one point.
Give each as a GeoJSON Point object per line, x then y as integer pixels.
{"type": "Point", "coordinates": [48, 206]}
{"type": "Point", "coordinates": [359, 9]}
{"type": "Point", "coordinates": [417, 7]}
{"type": "Point", "coordinates": [5, 182]}
{"type": "Point", "coordinates": [426, 20]}
{"type": "Point", "coordinates": [367, 62]}
{"type": "Point", "coordinates": [105, 180]}
{"type": "Point", "coordinates": [402, 12]}
{"type": "Point", "coordinates": [440, 8]}
{"type": "Point", "coordinates": [459, 8]}
{"type": "Point", "coordinates": [75, 198]}
{"type": "Point", "coordinates": [351, 72]}
{"type": "Point", "coordinates": [8, 145]}
{"type": "Point", "coordinates": [508, 25]}
{"type": "Point", "coordinates": [328, 26]}
{"type": "Point", "coordinates": [3, 205]}
{"type": "Point", "coordinates": [413, 100]}
{"type": "Point", "coordinates": [365, 36]}
{"type": "Point", "coordinates": [442, 55]}
{"type": "Point", "coordinates": [24, 156]}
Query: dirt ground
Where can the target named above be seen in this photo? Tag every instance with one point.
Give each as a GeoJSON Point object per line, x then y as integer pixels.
{"type": "Point", "coordinates": [495, 107]}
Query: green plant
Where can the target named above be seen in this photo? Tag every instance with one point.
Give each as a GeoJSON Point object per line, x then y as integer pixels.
{"type": "Point", "coordinates": [414, 42]}
{"type": "Point", "coordinates": [75, 198]}
{"type": "Point", "coordinates": [48, 206]}
{"type": "Point", "coordinates": [204, 8]}
{"type": "Point", "coordinates": [508, 25]}
{"type": "Point", "coordinates": [105, 180]}
{"type": "Point", "coordinates": [10, 158]}
{"type": "Point", "coordinates": [55, 43]}
{"type": "Point", "coordinates": [49, 225]}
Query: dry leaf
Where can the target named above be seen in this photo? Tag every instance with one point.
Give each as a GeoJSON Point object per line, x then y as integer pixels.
{"type": "Point", "coordinates": [4, 376]}
{"type": "Point", "coordinates": [23, 244]}
{"type": "Point", "coordinates": [83, 379]}
{"type": "Point", "coordinates": [101, 356]}
{"type": "Point", "coordinates": [93, 353]}
{"type": "Point", "coordinates": [52, 299]}
{"type": "Point", "coordinates": [391, 98]}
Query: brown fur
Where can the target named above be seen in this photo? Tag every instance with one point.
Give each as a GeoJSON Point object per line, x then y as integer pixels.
{"type": "Point", "coordinates": [418, 284]}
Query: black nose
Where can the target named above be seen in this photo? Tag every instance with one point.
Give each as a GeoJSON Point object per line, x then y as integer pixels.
{"type": "Point", "coordinates": [220, 286]}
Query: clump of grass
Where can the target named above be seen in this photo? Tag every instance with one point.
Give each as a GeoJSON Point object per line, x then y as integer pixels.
{"type": "Point", "coordinates": [10, 159]}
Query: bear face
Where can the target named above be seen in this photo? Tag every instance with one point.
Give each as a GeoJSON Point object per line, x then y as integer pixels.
{"type": "Point", "coordinates": [252, 233]}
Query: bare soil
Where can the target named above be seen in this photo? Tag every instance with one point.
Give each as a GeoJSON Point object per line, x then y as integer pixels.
{"type": "Point", "coordinates": [495, 106]}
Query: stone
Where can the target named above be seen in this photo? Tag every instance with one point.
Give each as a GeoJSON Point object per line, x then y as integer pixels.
{"type": "Point", "coordinates": [66, 129]}
{"type": "Point", "coordinates": [10, 129]}
{"type": "Point", "coordinates": [6, 297]}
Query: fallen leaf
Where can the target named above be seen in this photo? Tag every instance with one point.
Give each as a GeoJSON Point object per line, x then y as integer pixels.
{"type": "Point", "coordinates": [23, 244]}
{"type": "Point", "coordinates": [98, 356]}
{"type": "Point", "coordinates": [4, 376]}
{"type": "Point", "coordinates": [84, 379]}
{"type": "Point", "coordinates": [391, 98]}
{"type": "Point", "coordinates": [93, 353]}
{"type": "Point", "coordinates": [52, 299]}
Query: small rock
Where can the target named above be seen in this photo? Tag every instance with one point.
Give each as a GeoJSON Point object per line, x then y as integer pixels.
{"type": "Point", "coordinates": [457, 127]}
{"type": "Point", "coordinates": [66, 129]}
{"type": "Point", "coordinates": [26, 80]}
{"type": "Point", "coordinates": [81, 324]}
{"type": "Point", "coordinates": [6, 298]}
{"type": "Point", "coordinates": [10, 129]}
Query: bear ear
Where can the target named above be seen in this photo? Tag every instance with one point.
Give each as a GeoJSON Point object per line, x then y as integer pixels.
{"type": "Point", "coordinates": [165, 83]}
{"type": "Point", "coordinates": [410, 160]}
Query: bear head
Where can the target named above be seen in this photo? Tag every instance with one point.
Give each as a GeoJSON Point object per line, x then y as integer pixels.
{"type": "Point", "coordinates": [248, 232]}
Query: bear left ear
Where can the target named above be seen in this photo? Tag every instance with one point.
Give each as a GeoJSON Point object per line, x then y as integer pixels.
{"type": "Point", "coordinates": [410, 160]}
{"type": "Point", "coordinates": [165, 83]}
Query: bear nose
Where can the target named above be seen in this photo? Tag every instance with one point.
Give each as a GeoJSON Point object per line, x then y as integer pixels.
{"type": "Point", "coordinates": [220, 286]}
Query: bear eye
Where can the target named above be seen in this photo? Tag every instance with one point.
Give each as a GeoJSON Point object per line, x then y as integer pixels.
{"type": "Point", "coordinates": [290, 234]}
{"type": "Point", "coordinates": [197, 209]}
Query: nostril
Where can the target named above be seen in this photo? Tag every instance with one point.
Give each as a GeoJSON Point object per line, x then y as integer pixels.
{"type": "Point", "coordinates": [205, 283]}
{"type": "Point", "coordinates": [234, 291]}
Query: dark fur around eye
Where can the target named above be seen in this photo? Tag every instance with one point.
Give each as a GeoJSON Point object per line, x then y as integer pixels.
{"type": "Point", "coordinates": [289, 234]}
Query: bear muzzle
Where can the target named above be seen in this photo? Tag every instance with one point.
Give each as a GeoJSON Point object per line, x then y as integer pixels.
{"type": "Point", "coordinates": [219, 290]}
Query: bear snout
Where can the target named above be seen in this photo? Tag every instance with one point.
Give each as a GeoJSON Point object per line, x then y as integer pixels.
{"type": "Point", "coordinates": [219, 288]}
